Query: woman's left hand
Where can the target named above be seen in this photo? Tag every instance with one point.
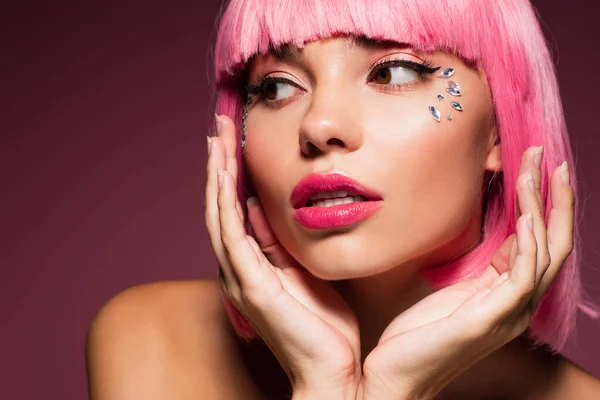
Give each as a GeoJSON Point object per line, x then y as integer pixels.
{"type": "Point", "coordinates": [437, 339]}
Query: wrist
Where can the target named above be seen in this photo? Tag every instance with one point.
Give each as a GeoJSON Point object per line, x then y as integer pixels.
{"type": "Point", "coordinates": [346, 392]}
{"type": "Point", "coordinates": [373, 388]}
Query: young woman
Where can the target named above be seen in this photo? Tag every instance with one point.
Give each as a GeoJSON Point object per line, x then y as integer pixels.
{"type": "Point", "coordinates": [390, 203]}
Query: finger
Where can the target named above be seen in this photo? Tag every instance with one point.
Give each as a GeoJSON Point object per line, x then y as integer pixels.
{"type": "Point", "coordinates": [560, 225]}
{"type": "Point", "coordinates": [522, 273]}
{"type": "Point", "coordinates": [528, 164]}
{"type": "Point", "coordinates": [227, 134]}
{"type": "Point", "coordinates": [250, 269]}
{"type": "Point", "coordinates": [528, 202]}
{"type": "Point", "coordinates": [211, 210]}
{"type": "Point", "coordinates": [513, 290]}
{"type": "Point", "coordinates": [230, 142]}
{"type": "Point", "coordinates": [514, 251]}
{"type": "Point", "coordinates": [536, 162]}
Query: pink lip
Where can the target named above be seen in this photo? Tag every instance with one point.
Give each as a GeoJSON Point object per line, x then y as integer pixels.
{"type": "Point", "coordinates": [338, 216]}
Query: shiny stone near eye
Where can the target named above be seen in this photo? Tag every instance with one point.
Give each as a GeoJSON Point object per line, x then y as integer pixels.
{"type": "Point", "coordinates": [454, 89]}
{"type": "Point", "coordinates": [447, 73]}
{"type": "Point", "coordinates": [435, 113]}
{"type": "Point", "coordinates": [457, 106]}
{"type": "Point", "coordinates": [454, 92]}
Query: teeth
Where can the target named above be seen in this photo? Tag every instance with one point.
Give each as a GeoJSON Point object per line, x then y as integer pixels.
{"type": "Point", "coordinates": [329, 195]}
{"type": "Point", "coordinates": [336, 201]}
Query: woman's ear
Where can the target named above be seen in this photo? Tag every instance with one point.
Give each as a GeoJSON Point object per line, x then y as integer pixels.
{"type": "Point", "coordinates": [493, 161]}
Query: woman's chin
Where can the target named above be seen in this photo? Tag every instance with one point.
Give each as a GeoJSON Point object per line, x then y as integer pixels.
{"type": "Point", "coordinates": [336, 272]}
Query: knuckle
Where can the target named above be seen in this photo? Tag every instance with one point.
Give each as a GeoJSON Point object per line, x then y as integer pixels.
{"type": "Point", "coordinates": [569, 247]}
{"type": "Point", "coordinates": [210, 217]}
{"type": "Point", "coordinates": [524, 295]}
{"type": "Point", "coordinates": [232, 292]}
{"type": "Point", "coordinates": [479, 328]}
{"type": "Point", "coordinates": [207, 223]}
{"type": "Point", "coordinates": [228, 238]}
{"type": "Point", "coordinates": [525, 290]}
{"type": "Point", "coordinates": [251, 298]}
{"type": "Point", "coordinates": [545, 261]}
{"type": "Point", "coordinates": [255, 293]}
{"type": "Point", "coordinates": [531, 254]}
{"type": "Point", "coordinates": [570, 199]}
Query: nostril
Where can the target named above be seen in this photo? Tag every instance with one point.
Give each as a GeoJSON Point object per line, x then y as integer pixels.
{"type": "Point", "coordinates": [335, 142]}
{"type": "Point", "coordinates": [310, 150]}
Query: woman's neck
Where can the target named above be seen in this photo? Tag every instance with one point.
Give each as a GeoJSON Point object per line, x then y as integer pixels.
{"type": "Point", "coordinates": [377, 300]}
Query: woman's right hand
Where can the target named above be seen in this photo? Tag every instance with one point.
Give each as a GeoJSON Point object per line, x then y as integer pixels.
{"type": "Point", "coordinates": [307, 325]}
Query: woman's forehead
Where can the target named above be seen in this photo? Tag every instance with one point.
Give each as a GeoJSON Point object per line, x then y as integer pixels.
{"type": "Point", "coordinates": [345, 43]}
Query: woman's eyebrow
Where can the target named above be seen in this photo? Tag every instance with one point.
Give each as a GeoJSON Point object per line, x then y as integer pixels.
{"type": "Point", "coordinates": [374, 44]}
{"type": "Point", "coordinates": [291, 53]}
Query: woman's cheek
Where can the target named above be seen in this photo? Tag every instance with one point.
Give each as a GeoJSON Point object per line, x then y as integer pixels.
{"type": "Point", "coordinates": [432, 179]}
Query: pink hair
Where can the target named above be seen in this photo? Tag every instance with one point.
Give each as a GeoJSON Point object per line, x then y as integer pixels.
{"type": "Point", "coordinates": [502, 36]}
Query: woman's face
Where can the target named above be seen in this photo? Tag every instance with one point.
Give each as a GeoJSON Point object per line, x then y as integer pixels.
{"type": "Point", "coordinates": [348, 106]}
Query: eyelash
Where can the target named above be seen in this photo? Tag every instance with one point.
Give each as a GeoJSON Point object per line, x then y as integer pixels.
{"type": "Point", "coordinates": [424, 69]}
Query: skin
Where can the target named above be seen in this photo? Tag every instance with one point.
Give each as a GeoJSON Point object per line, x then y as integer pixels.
{"type": "Point", "coordinates": [431, 178]}
{"type": "Point", "coordinates": [430, 175]}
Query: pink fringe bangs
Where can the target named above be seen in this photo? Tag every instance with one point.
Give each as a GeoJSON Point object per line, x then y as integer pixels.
{"type": "Point", "coordinates": [502, 37]}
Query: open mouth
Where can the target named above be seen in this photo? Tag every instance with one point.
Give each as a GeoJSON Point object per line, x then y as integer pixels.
{"type": "Point", "coordinates": [330, 199]}
{"type": "Point", "coordinates": [330, 190]}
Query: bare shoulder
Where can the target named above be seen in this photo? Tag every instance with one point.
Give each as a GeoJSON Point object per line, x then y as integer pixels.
{"type": "Point", "coordinates": [166, 340]}
{"type": "Point", "coordinates": [550, 376]}
{"type": "Point", "coordinates": [572, 382]}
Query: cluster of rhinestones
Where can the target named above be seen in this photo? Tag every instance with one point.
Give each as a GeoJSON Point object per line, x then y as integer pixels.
{"type": "Point", "coordinates": [453, 89]}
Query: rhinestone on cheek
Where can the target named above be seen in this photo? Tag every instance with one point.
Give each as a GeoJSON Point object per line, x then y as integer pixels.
{"type": "Point", "coordinates": [447, 73]}
{"type": "Point", "coordinates": [454, 92]}
{"type": "Point", "coordinates": [457, 106]}
{"type": "Point", "coordinates": [435, 113]}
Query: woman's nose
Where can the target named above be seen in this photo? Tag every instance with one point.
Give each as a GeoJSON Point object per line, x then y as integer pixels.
{"type": "Point", "coordinates": [331, 123]}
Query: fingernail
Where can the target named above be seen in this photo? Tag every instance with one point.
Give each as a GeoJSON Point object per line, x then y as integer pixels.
{"type": "Point", "coordinates": [218, 124]}
{"type": "Point", "coordinates": [530, 183]}
{"type": "Point", "coordinates": [537, 157]}
{"type": "Point", "coordinates": [564, 168]}
{"type": "Point", "coordinates": [208, 144]}
{"type": "Point", "coordinates": [251, 201]}
{"type": "Point", "coordinates": [530, 221]}
{"type": "Point", "coordinates": [220, 177]}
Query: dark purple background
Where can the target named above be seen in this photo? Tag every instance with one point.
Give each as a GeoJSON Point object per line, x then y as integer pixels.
{"type": "Point", "coordinates": [104, 111]}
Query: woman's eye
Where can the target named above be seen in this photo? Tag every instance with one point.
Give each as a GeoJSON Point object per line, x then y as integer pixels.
{"type": "Point", "coordinates": [394, 75]}
{"type": "Point", "coordinates": [274, 91]}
